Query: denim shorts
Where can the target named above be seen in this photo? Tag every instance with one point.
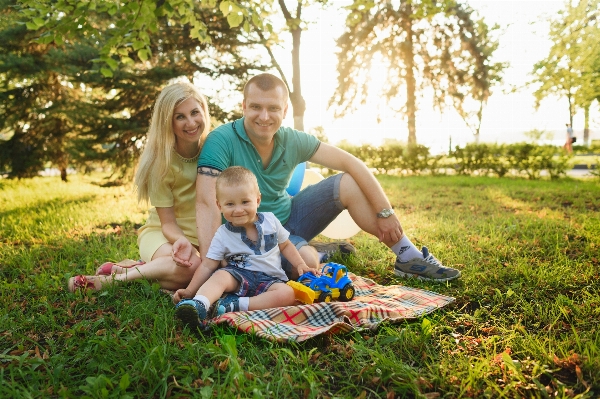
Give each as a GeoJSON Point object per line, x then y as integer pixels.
{"type": "Point", "coordinates": [252, 283]}
{"type": "Point", "coordinates": [313, 209]}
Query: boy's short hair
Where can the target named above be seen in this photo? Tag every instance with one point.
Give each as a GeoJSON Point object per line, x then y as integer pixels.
{"type": "Point", "coordinates": [236, 175]}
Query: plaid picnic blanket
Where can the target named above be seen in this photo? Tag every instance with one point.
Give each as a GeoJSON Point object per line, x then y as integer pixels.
{"type": "Point", "coordinates": [372, 304]}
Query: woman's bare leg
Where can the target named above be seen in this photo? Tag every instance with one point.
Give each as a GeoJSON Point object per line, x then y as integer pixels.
{"type": "Point", "coordinates": [161, 269]}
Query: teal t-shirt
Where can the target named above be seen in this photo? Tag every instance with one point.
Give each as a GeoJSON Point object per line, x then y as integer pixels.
{"type": "Point", "coordinates": [229, 145]}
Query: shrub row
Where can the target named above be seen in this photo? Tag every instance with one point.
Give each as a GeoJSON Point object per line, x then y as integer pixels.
{"type": "Point", "coordinates": [521, 159]}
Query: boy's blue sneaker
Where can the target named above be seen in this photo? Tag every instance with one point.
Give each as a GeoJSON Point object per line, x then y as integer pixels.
{"type": "Point", "coordinates": [229, 303]}
{"type": "Point", "coordinates": [425, 268]}
{"type": "Point", "coordinates": [191, 312]}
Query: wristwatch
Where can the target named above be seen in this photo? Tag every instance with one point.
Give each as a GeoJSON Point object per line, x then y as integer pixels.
{"type": "Point", "coordinates": [386, 213]}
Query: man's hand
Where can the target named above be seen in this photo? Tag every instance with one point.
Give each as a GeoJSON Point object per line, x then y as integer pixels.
{"type": "Point", "coordinates": [182, 252]}
{"type": "Point", "coordinates": [180, 294]}
{"type": "Point", "coordinates": [389, 230]}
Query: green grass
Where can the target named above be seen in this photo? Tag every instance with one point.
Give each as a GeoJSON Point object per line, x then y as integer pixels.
{"type": "Point", "coordinates": [525, 322]}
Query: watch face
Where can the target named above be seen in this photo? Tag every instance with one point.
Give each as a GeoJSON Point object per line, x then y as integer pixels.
{"type": "Point", "coordinates": [385, 213]}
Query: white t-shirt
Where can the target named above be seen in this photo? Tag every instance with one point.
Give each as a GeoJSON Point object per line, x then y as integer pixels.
{"type": "Point", "coordinates": [232, 244]}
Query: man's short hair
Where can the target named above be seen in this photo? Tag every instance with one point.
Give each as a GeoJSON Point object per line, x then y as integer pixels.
{"type": "Point", "coordinates": [266, 82]}
{"type": "Point", "coordinates": [235, 176]}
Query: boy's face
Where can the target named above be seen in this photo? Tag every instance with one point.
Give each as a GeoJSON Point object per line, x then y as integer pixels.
{"type": "Point", "coordinates": [238, 204]}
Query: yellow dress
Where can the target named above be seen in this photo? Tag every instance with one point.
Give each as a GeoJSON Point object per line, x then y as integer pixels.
{"type": "Point", "coordinates": [177, 191]}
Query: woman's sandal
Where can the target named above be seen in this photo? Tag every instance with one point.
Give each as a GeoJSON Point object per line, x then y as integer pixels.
{"type": "Point", "coordinates": [81, 283]}
{"type": "Point", "coordinates": [106, 268]}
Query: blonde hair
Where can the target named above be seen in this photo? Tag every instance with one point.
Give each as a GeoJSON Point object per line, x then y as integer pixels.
{"type": "Point", "coordinates": [160, 140]}
{"type": "Point", "coordinates": [235, 176]}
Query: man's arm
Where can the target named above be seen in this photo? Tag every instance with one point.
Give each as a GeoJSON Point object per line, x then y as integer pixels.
{"type": "Point", "coordinates": [335, 158]}
{"type": "Point", "coordinates": [208, 217]}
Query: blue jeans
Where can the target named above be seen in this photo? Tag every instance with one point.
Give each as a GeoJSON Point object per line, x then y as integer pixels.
{"type": "Point", "coordinates": [313, 209]}
{"type": "Point", "coordinates": [252, 283]}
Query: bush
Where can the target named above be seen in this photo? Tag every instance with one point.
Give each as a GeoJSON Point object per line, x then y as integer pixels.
{"type": "Point", "coordinates": [473, 159]}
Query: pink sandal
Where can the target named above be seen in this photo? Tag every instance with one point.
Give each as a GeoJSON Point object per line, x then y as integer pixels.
{"type": "Point", "coordinates": [80, 282]}
{"type": "Point", "coordinates": [106, 268]}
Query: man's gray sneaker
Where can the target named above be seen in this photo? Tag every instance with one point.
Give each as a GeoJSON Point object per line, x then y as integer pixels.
{"type": "Point", "coordinates": [331, 248]}
{"type": "Point", "coordinates": [425, 268]}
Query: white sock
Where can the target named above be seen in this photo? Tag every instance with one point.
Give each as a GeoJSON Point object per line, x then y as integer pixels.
{"type": "Point", "coordinates": [406, 250]}
{"type": "Point", "coordinates": [204, 300]}
{"type": "Point", "coordinates": [244, 303]}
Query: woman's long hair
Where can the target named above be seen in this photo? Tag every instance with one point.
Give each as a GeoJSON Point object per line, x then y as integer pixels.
{"type": "Point", "coordinates": [160, 141]}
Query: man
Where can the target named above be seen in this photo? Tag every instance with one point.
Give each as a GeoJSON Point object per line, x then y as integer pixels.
{"type": "Point", "coordinates": [259, 143]}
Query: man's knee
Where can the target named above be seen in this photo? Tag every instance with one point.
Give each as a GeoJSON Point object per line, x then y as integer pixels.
{"type": "Point", "coordinates": [349, 189]}
{"type": "Point", "coordinates": [310, 256]}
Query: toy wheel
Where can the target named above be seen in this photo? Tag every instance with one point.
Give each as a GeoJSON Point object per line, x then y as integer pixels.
{"type": "Point", "coordinates": [347, 293]}
{"type": "Point", "coordinates": [324, 297]}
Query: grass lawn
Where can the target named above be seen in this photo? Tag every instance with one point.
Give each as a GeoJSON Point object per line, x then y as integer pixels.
{"type": "Point", "coordinates": [525, 322]}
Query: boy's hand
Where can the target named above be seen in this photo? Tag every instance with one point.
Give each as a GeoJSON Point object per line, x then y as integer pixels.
{"type": "Point", "coordinates": [303, 268]}
{"type": "Point", "coordinates": [180, 294]}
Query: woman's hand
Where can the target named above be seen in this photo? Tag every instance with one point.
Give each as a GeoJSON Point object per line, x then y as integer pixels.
{"type": "Point", "coordinates": [182, 252]}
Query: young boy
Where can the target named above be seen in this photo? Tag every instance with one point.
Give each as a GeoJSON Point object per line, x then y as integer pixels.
{"type": "Point", "coordinates": [251, 243]}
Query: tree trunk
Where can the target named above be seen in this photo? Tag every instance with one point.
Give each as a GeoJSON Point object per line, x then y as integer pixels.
{"type": "Point", "coordinates": [63, 174]}
{"type": "Point", "coordinates": [409, 60]}
{"type": "Point", "coordinates": [570, 109]}
{"type": "Point", "coordinates": [586, 126]}
{"type": "Point", "coordinates": [298, 103]}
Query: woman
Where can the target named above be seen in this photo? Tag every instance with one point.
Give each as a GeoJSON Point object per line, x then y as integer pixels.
{"type": "Point", "coordinates": [166, 176]}
{"type": "Point", "coordinates": [570, 139]}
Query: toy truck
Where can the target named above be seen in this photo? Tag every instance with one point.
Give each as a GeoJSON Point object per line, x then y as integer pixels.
{"type": "Point", "coordinates": [333, 283]}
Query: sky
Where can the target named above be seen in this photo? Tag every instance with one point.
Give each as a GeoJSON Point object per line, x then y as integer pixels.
{"type": "Point", "coordinates": [506, 117]}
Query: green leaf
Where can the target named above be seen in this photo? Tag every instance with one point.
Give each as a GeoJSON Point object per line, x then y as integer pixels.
{"type": "Point", "coordinates": [246, 26]}
{"type": "Point", "coordinates": [39, 22]}
{"type": "Point", "coordinates": [224, 7]}
{"type": "Point", "coordinates": [138, 44]}
{"type": "Point", "coordinates": [111, 63]}
{"type": "Point", "coordinates": [256, 20]}
{"type": "Point", "coordinates": [426, 327]}
{"type": "Point", "coordinates": [58, 39]}
{"type": "Point", "coordinates": [106, 72]}
{"type": "Point", "coordinates": [143, 54]}
{"type": "Point", "coordinates": [31, 26]}
{"type": "Point", "coordinates": [124, 383]}
{"type": "Point", "coordinates": [206, 392]}
{"type": "Point", "coordinates": [228, 342]}
{"type": "Point", "coordinates": [168, 8]}
{"type": "Point", "coordinates": [46, 39]}
{"type": "Point", "coordinates": [235, 20]}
